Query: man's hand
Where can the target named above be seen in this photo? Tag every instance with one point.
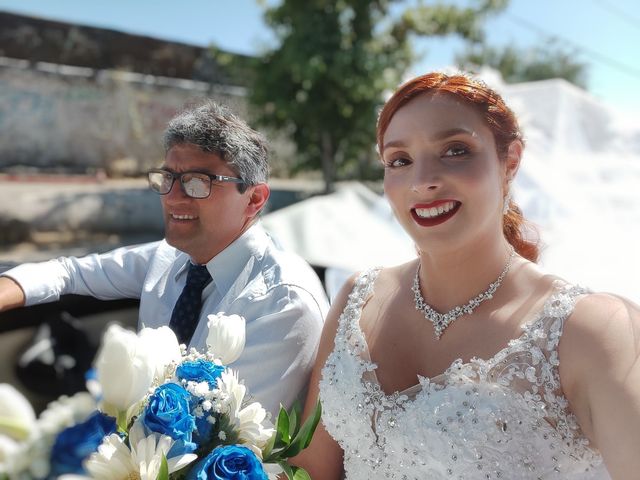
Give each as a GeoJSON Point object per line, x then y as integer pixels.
{"type": "Point", "coordinates": [11, 294]}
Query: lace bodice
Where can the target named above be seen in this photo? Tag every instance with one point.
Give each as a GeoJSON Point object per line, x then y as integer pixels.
{"type": "Point", "coordinates": [505, 417]}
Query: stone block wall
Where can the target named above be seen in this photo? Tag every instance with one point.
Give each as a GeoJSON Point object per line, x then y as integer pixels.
{"type": "Point", "coordinates": [70, 119]}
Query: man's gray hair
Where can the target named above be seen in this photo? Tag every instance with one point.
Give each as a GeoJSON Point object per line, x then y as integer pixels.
{"type": "Point", "coordinates": [215, 129]}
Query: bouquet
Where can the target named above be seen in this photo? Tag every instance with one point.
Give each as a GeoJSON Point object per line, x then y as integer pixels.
{"type": "Point", "coordinates": [163, 413]}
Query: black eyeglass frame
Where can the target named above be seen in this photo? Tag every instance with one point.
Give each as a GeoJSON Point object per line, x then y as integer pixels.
{"type": "Point", "coordinates": [242, 185]}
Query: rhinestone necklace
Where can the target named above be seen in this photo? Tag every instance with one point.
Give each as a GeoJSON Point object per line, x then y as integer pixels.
{"type": "Point", "coordinates": [441, 321]}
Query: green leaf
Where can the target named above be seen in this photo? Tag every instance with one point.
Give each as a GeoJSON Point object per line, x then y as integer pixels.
{"type": "Point", "coordinates": [280, 439]}
{"type": "Point", "coordinates": [303, 438]}
{"type": "Point", "coordinates": [287, 469]}
{"type": "Point", "coordinates": [163, 474]}
{"type": "Point", "coordinates": [121, 421]}
{"type": "Point", "coordinates": [295, 415]}
{"type": "Point", "coordinates": [283, 438]}
{"type": "Point", "coordinates": [294, 473]}
{"type": "Point", "coordinates": [300, 474]}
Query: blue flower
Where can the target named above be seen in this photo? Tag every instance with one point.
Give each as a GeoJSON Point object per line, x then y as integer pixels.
{"type": "Point", "coordinates": [231, 462]}
{"type": "Point", "coordinates": [204, 429]}
{"type": "Point", "coordinates": [200, 371]}
{"type": "Point", "coordinates": [168, 412]}
{"type": "Point", "coordinates": [74, 444]}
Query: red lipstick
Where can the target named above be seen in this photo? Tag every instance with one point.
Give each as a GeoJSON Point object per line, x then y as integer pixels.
{"type": "Point", "coordinates": [437, 219]}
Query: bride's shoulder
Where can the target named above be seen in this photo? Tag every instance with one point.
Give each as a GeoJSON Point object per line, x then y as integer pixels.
{"type": "Point", "coordinates": [594, 315]}
{"type": "Point", "coordinates": [605, 315]}
{"type": "Point", "coordinates": [591, 318]}
{"type": "Point", "coordinates": [602, 330]}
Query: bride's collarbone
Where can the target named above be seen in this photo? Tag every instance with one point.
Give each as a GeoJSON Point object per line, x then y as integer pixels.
{"type": "Point", "coordinates": [404, 345]}
{"type": "Point", "coordinates": [402, 342]}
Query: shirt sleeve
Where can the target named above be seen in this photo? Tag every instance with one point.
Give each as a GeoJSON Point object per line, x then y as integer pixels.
{"type": "Point", "coordinates": [281, 345]}
{"type": "Point", "coordinates": [116, 274]}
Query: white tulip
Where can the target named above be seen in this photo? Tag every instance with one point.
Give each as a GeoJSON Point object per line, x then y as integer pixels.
{"type": "Point", "coordinates": [125, 370]}
{"type": "Point", "coordinates": [17, 418]}
{"type": "Point", "coordinates": [164, 347]}
{"type": "Point", "coordinates": [226, 337]}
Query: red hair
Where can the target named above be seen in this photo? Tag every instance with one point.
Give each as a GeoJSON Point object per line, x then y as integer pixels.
{"type": "Point", "coordinates": [499, 118]}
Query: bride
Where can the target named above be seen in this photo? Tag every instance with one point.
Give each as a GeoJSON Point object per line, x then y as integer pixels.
{"type": "Point", "coordinates": [470, 362]}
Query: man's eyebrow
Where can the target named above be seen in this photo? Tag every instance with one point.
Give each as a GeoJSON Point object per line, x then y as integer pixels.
{"type": "Point", "coordinates": [191, 170]}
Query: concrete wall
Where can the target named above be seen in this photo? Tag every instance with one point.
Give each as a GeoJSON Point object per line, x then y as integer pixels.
{"type": "Point", "coordinates": [58, 117]}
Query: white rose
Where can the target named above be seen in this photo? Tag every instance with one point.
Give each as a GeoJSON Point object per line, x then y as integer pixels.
{"type": "Point", "coordinates": [125, 367]}
{"type": "Point", "coordinates": [163, 346]}
{"type": "Point", "coordinates": [17, 418]}
{"type": "Point", "coordinates": [226, 337]}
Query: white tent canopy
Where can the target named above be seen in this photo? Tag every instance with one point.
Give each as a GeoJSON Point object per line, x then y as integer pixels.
{"type": "Point", "coordinates": [579, 182]}
{"type": "Point", "coordinates": [351, 229]}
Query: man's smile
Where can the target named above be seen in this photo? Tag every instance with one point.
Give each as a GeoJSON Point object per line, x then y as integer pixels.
{"type": "Point", "coordinates": [175, 216]}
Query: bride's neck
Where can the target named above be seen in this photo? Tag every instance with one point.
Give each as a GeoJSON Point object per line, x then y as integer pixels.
{"type": "Point", "coordinates": [451, 277]}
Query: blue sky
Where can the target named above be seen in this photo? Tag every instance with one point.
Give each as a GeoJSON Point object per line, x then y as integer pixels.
{"type": "Point", "coordinates": [603, 33]}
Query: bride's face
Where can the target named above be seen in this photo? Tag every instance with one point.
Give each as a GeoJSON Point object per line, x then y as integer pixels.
{"type": "Point", "coordinates": [442, 175]}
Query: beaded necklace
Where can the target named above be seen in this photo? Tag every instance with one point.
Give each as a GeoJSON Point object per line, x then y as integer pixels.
{"type": "Point", "coordinates": [441, 321]}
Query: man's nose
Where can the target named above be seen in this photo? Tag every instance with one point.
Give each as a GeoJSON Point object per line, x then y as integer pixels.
{"type": "Point", "coordinates": [176, 194]}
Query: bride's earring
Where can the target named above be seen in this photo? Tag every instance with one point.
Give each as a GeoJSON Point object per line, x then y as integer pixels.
{"type": "Point", "coordinates": [507, 201]}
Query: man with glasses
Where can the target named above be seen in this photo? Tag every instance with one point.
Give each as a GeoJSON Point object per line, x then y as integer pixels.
{"type": "Point", "coordinates": [215, 257]}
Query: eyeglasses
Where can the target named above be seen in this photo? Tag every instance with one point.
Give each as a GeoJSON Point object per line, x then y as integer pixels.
{"type": "Point", "coordinates": [193, 184]}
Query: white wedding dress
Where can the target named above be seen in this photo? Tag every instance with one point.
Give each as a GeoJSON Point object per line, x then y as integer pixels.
{"type": "Point", "coordinates": [505, 417]}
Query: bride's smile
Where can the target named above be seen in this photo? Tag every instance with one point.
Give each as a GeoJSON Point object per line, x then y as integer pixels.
{"type": "Point", "coordinates": [435, 213]}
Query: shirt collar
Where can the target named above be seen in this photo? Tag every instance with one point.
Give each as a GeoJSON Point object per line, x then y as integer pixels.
{"type": "Point", "coordinates": [229, 263]}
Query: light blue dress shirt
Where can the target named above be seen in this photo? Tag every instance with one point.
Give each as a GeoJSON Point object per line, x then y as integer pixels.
{"type": "Point", "coordinates": [277, 293]}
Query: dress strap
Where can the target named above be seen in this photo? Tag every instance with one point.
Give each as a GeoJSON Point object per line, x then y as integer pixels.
{"type": "Point", "coordinates": [349, 321]}
{"type": "Point", "coordinates": [558, 307]}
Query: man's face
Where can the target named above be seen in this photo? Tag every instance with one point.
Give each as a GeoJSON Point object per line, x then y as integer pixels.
{"type": "Point", "coordinates": [202, 228]}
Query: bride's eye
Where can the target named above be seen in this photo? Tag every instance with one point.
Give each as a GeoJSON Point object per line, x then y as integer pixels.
{"type": "Point", "coordinates": [397, 162]}
{"type": "Point", "coordinates": [456, 150]}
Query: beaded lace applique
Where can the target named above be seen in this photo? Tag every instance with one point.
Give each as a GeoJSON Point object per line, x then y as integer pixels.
{"type": "Point", "coordinates": [505, 417]}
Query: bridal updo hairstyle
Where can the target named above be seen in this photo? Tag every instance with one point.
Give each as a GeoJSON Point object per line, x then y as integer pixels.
{"type": "Point", "coordinates": [498, 117]}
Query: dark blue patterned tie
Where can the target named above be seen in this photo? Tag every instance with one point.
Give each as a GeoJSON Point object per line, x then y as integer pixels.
{"type": "Point", "coordinates": [186, 312]}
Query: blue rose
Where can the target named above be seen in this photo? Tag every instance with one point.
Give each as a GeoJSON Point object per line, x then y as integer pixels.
{"type": "Point", "coordinates": [231, 462]}
{"type": "Point", "coordinates": [204, 428]}
{"type": "Point", "coordinates": [74, 444]}
{"type": "Point", "coordinates": [200, 371]}
{"type": "Point", "coordinates": [168, 412]}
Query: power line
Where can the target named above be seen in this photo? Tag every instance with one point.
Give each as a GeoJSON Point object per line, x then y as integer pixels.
{"type": "Point", "coordinates": [631, 19]}
{"type": "Point", "coordinates": [602, 58]}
